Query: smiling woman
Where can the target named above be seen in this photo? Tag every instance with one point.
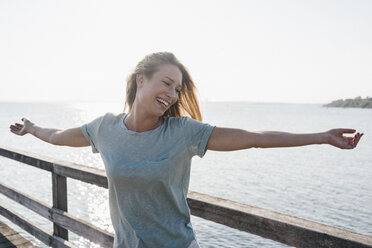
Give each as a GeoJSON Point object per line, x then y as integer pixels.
{"type": "Point", "coordinates": [155, 94]}
{"type": "Point", "coordinates": [174, 75]}
{"type": "Point", "coordinates": [148, 151]}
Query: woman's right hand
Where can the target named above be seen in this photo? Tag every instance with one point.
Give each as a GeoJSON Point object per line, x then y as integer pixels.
{"type": "Point", "coordinates": [73, 137]}
{"type": "Point", "coordinates": [22, 129]}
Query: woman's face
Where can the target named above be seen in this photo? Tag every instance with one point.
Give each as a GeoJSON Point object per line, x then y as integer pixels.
{"type": "Point", "coordinates": [158, 93]}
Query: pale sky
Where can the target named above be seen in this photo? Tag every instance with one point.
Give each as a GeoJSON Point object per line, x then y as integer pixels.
{"type": "Point", "coordinates": [257, 51]}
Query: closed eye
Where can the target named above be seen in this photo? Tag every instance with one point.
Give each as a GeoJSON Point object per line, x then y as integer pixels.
{"type": "Point", "coordinates": [168, 84]}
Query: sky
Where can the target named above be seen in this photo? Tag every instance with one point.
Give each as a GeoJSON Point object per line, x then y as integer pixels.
{"type": "Point", "coordinates": [255, 51]}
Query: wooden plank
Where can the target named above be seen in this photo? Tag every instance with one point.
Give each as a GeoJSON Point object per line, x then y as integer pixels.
{"type": "Point", "coordinates": [83, 173]}
{"type": "Point", "coordinates": [61, 218]}
{"type": "Point", "coordinates": [15, 240]}
{"type": "Point", "coordinates": [24, 246]}
{"type": "Point", "coordinates": [83, 228]}
{"type": "Point", "coordinates": [26, 200]}
{"type": "Point", "coordinates": [27, 158]}
{"type": "Point", "coordinates": [63, 168]}
{"type": "Point", "coordinates": [11, 238]}
{"type": "Point", "coordinates": [272, 225]}
{"type": "Point", "coordinates": [5, 230]}
{"type": "Point", "coordinates": [59, 186]}
{"type": "Point", "coordinates": [34, 229]}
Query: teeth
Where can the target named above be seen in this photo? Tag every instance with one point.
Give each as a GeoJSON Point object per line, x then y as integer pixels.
{"type": "Point", "coordinates": [162, 101]}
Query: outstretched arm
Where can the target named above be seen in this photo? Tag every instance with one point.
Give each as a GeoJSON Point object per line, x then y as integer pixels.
{"type": "Point", "coordinates": [70, 137]}
{"type": "Point", "coordinates": [230, 139]}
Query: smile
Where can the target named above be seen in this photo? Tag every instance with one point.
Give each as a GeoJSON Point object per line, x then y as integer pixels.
{"type": "Point", "coordinates": [165, 103]}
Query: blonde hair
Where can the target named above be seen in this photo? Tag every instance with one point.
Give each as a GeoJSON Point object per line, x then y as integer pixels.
{"type": "Point", "coordinates": [187, 104]}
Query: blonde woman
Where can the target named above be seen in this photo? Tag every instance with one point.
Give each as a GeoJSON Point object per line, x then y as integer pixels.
{"type": "Point", "coordinates": [147, 151]}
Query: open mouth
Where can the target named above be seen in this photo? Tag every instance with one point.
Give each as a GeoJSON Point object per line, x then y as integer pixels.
{"type": "Point", "coordinates": [163, 102]}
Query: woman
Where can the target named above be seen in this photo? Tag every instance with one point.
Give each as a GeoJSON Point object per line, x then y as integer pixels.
{"type": "Point", "coordinates": [147, 151]}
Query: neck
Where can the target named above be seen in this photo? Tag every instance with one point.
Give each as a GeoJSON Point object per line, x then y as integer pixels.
{"type": "Point", "coordinates": [140, 122]}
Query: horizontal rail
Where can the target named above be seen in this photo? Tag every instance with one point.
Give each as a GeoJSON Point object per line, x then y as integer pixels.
{"type": "Point", "coordinates": [283, 228]}
{"type": "Point", "coordinates": [276, 226]}
{"type": "Point", "coordinates": [82, 173]}
{"type": "Point", "coordinates": [40, 233]}
{"type": "Point", "coordinates": [26, 158]}
{"type": "Point", "coordinates": [83, 228]}
{"type": "Point", "coordinates": [25, 200]}
{"type": "Point", "coordinates": [72, 170]}
{"type": "Point", "coordinates": [60, 217]}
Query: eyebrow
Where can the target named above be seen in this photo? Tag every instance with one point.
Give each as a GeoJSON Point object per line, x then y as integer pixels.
{"type": "Point", "coordinates": [173, 81]}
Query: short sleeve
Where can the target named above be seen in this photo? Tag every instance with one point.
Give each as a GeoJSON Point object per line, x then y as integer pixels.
{"type": "Point", "coordinates": [197, 135]}
{"type": "Point", "coordinates": [90, 131]}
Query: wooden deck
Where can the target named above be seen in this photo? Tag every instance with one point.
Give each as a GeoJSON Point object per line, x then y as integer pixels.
{"type": "Point", "coordinates": [10, 238]}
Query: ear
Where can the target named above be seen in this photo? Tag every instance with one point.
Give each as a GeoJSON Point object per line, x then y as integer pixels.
{"type": "Point", "coordinates": [139, 80]}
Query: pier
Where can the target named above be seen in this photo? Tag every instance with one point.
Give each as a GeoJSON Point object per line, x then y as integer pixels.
{"type": "Point", "coordinates": [10, 238]}
{"type": "Point", "coordinates": [272, 225]}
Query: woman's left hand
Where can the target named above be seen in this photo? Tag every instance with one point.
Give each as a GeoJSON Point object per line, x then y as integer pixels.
{"type": "Point", "coordinates": [337, 139]}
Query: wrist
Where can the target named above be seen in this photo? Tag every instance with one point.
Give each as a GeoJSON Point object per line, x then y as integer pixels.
{"type": "Point", "coordinates": [324, 138]}
{"type": "Point", "coordinates": [32, 129]}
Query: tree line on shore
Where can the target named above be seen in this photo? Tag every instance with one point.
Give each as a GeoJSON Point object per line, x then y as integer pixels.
{"type": "Point", "coordinates": [357, 102]}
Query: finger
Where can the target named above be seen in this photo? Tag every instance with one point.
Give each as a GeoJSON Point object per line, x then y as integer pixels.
{"type": "Point", "coordinates": [14, 128]}
{"type": "Point", "coordinates": [19, 125]}
{"type": "Point", "coordinates": [24, 119]}
{"type": "Point", "coordinates": [358, 136]}
{"type": "Point", "coordinates": [357, 140]}
{"type": "Point", "coordinates": [14, 132]}
{"type": "Point", "coordinates": [347, 130]}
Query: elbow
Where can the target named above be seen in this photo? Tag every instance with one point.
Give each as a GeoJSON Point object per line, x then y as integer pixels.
{"type": "Point", "coordinates": [54, 139]}
{"type": "Point", "coordinates": [256, 140]}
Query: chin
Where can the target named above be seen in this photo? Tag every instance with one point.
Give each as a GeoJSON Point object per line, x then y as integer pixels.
{"type": "Point", "coordinates": [159, 113]}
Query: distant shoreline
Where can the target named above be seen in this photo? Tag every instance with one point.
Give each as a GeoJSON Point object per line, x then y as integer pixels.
{"type": "Point", "coordinates": [357, 102]}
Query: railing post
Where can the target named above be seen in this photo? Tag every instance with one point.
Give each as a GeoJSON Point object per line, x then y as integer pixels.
{"type": "Point", "coordinates": [59, 185]}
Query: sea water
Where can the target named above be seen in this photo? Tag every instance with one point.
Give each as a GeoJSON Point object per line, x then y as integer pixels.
{"type": "Point", "coordinates": [319, 182]}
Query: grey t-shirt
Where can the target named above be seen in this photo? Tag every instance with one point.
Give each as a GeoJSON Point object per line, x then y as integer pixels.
{"type": "Point", "coordinates": [148, 175]}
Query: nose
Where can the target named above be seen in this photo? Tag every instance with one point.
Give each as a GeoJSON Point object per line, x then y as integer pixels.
{"type": "Point", "coordinates": [172, 94]}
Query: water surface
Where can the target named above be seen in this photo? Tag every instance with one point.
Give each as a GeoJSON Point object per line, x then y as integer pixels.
{"type": "Point", "coordinates": [318, 182]}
